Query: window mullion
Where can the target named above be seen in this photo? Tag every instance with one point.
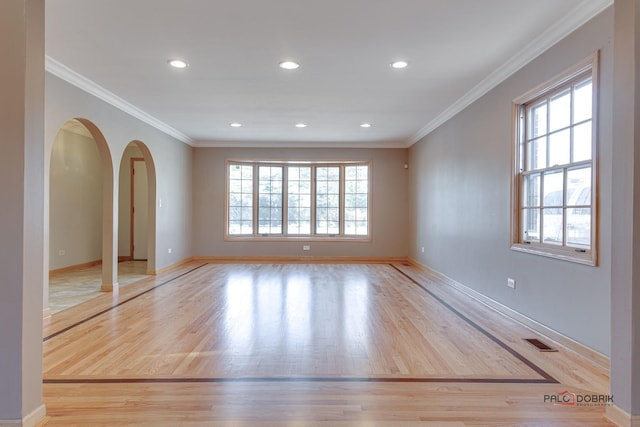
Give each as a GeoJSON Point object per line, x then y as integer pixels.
{"type": "Point", "coordinates": [341, 177]}
{"type": "Point", "coordinates": [547, 137]}
{"type": "Point", "coordinates": [285, 201]}
{"type": "Point", "coordinates": [313, 200]}
{"type": "Point", "coordinates": [256, 199]}
{"type": "Point", "coordinates": [564, 205]}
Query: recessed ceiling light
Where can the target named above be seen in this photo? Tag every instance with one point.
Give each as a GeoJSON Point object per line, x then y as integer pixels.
{"type": "Point", "coordinates": [399, 64]}
{"type": "Point", "coordinates": [235, 125]}
{"type": "Point", "coordinates": [178, 63]}
{"type": "Point", "coordinates": [289, 65]}
{"type": "Point", "coordinates": [365, 125]}
{"type": "Point", "coordinates": [301, 125]}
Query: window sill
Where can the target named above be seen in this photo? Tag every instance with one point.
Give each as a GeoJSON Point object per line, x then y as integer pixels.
{"type": "Point", "coordinates": [564, 254]}
{"type": "Point", "coordinates": [363, 239]}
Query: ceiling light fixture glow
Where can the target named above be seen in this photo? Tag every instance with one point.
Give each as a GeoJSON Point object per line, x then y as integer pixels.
{"type": "Point", "coordinates": [178, 63]}
{"type": "Point", "coordinates": [365, 125]}
{"type": "Point", "coordinates": [289, 65]}
{"type": "Point", "coordinates": [398, 65]}
{"type": "Point", "coordinates": [301, 125]}
{"type": "Point", "coordinates": [235, 125]}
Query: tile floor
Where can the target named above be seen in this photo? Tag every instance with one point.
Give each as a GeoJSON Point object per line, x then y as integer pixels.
{"type": "Point", "coordinates": [73, 288]}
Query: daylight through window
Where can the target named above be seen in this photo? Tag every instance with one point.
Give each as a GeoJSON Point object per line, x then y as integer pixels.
{"type": "Point", "coordinates": [289, 199]}
{"type": "Point", "coordinates": [556, 168]}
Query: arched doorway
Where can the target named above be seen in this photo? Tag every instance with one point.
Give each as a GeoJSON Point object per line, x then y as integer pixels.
{"type": "Point", "coordinates": [81, 205]}
{"type": "Point", "coordinates": [137, 206]}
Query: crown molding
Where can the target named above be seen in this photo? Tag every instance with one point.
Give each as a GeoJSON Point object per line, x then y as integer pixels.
{"type": "Point", "coordinates": [298, 144]}
{"type": "Point", "coordinates": [67, 74]}
{"type": "Point", "coordinates": [581, 14]}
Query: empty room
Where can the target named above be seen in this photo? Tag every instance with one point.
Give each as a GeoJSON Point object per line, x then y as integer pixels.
{"type": "Point", "coordinates": [339, 213]}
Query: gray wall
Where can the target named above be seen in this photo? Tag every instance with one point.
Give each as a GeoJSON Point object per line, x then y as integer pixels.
{"type": "Point", "coordinates": [172, 159]}
{"type": "Point", "coordinates": [75, 214]}
{"type": "Point", "coordinates": [21, 209]}
{"type": "Point", "coordinates": [460, 202]}
{"type": "Point", "coordinates": [389, 204]}
{"type": "Point", "coordinates": [625, 277]}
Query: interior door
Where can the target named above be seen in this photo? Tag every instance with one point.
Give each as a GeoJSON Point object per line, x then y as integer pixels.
{"type": "Point", "coordinates": [139, 208]}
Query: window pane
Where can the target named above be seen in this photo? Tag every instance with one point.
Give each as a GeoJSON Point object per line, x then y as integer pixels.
{"type": "Point", "coordinates": [240, 199]}
{"type": "Point", "coordinates": [582, 142]}
{"type": "Point", "coordinates": [531, 225]}
{"type": "Point", "coordinates": [579, 227]}
{"type": "Point", "coordinates": [299, 200]}
{"type": "Point", "coordinates": [560, 111]}
{"type": "Point", "coordinates": [257, 204]}
{"type": "Point", "coordinates": [556, 149]}
{"type": "Point", "coordinates": [582, 101]}
{"type": "Point", "coordinates": [270, 200]}
{"type": "Point", "coordinates": [328, 200]}
{"type": "Point", "coordinates": [356, 200]}
{"type": "Point", "coordinates": [553, 189]}
{"type": "Point", "coordinates": [537, 154]}
{"type": "Point", "coordinates": [531, 193]}
{"type": "Point", "coordinates": [552, 226]}
{"type": "Point", "coordinates": [538, 120]}
{"type": "Point", "coordinates": [579, 187]}
{"type": "Point", "coordinates": [559, 148]}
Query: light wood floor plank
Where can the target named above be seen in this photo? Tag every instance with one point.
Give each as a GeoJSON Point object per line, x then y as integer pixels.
{"type": "Point", "coordinates": [303, 344]}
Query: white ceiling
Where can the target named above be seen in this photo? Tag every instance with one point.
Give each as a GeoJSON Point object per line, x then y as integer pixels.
{"type": "Point", "coordinates": [456, 49]}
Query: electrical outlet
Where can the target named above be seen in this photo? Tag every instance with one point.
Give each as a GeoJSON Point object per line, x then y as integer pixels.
{"type": "Point", "coordinates": [306, 247]}
{"type": "Point", "coordinates": [422, 249]}
{"type": "Point", "coordinates": [511, 283]}
{"type": "Point", "coordinates": [169, 250]}
{"type": "Point", "coordinates": [61, 252]}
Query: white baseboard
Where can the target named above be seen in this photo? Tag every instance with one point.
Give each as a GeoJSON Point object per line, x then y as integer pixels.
{"type": "Point", "coordinates": [587, 352]}
{"type": "Point", "coordinates": [35, 416]}
{"type": "Point", "coordinates": [30, 420]}
{"type": "Point", "coordinates": [300, 259]}
{"type": "Point", "coordinates": [46, 313]}
{"type": "Point", "coordinates": [620, 417]}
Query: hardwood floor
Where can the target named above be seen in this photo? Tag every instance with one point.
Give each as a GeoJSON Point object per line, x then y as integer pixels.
{"type": "Point", "coordinates": [72, 287]}
{"type": "Point", "coordinates": [301, 345]}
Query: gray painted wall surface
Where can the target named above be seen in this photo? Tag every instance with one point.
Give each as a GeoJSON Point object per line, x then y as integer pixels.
{"type": "Point", "coordinates": [625, 278]}
{"type": "Point", "coordinates": [21, 208]}
{"type": "Point", "coordinates": [75, 214]}
{"type": "Point", "coordinates": [389, 203]}
{"type": "Point", "coordinates": [172, 160]}
{"type": "Point", "coordinates": [460, 201]}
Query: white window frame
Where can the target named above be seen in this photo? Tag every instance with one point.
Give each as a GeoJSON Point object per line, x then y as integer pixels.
{"type": "Point", "coordinates": [589, 256]}
{"type": "Point", "coordinates": [313, 236]}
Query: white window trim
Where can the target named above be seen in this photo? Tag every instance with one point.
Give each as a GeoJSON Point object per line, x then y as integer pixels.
{"type": "Point", "coordinates": [589, 257]}
{"type": "Point", "coordinates": [295, 237]}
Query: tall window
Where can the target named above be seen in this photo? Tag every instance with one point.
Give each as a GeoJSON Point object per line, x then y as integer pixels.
{"type": "Point", "coordinates": [555, 167]}
{"type": "Point", "coordinates": [328, 200]}
{"type": "Point", "coordinates": [299, 200]}
{"type": "Point", "coordinates": [356, 200]}
{"type": "Point", "coordinates": [296, 199]}
{"type": "Point", "coordinates": [270, 199]}
{"type": "Point", "coordinates": [240, 199]}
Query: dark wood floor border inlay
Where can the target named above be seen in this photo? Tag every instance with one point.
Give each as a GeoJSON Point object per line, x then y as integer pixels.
{"type": "Point", "coordinates": [100, 313]}
{"type": "Point", "coordinates": [295, 380]}
{"type": "Point", "coordinates": [546, 377]}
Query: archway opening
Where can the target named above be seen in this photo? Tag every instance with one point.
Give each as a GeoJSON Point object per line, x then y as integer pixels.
{"type": "Point", "coordinates": [137, 207]}
{"type": "Point", "coordinates": [80, 201]}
